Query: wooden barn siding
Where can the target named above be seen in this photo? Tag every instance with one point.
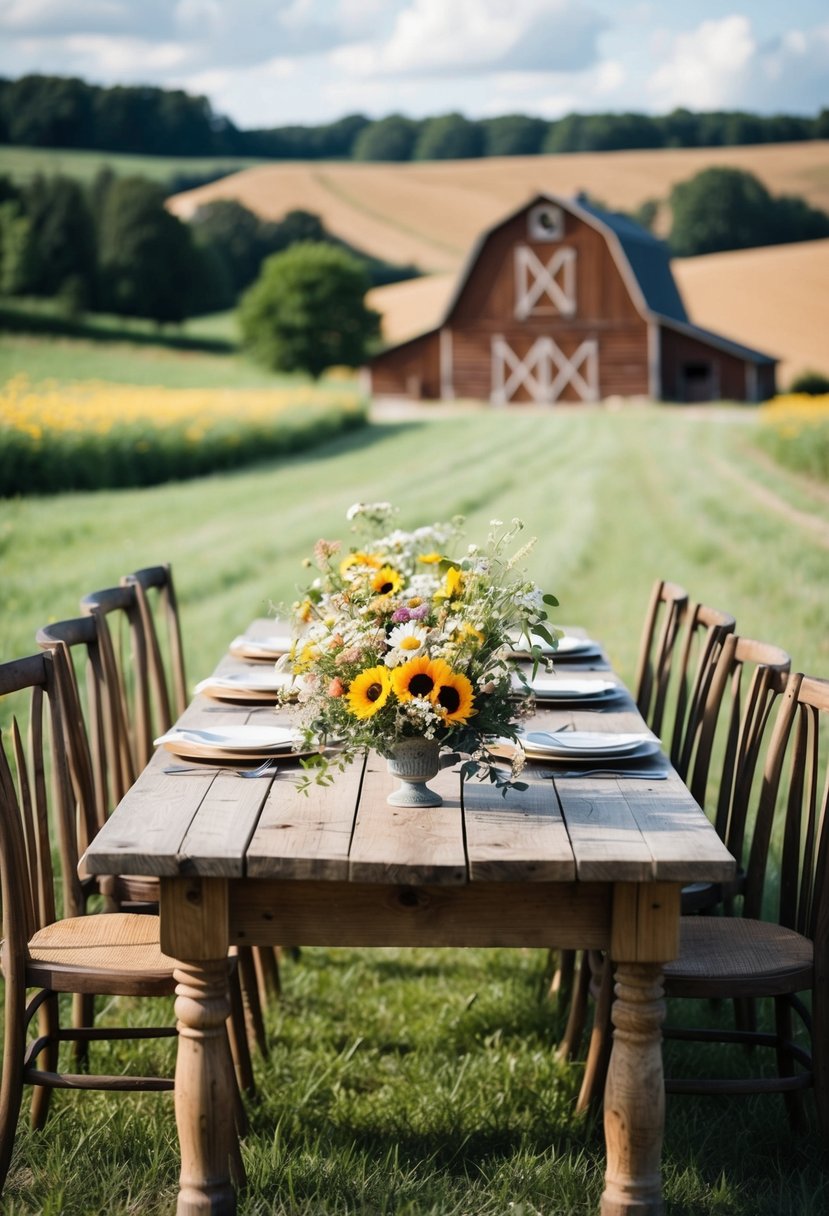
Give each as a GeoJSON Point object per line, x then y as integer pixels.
{"type": "Point", "coordinates": [623, 356]}
{"type": "Point", "coordinates": [489, 293]}
{"type": "Point", "coordinates": [678, 349]}
{"type": "Point", "coordinates": [412, 369]}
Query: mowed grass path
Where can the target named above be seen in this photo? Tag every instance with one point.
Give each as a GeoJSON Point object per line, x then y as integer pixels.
{"type": "Point", "coordinates": [423, 1083]}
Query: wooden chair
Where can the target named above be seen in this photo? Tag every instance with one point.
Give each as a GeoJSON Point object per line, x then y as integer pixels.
{"type": "Point", "coordinates": [112, 954]}
{"type": "Point", "coordinates": [732, 729]}
{"type": "Point", "coordinates": [663, 618]}
{"type": "Point", "coordinates": [158, 606]}
{"type": "Point", "coordinates": [102, 770]}
{"type": "Point", "coordinates": [786, 954]}
{"type": "Point", "coordinates": [704, 629]}
{"type": "Point", "coordinates": [152, 694]}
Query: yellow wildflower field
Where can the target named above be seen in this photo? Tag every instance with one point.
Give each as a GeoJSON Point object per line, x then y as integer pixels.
{"type": "Point", "coordinates": [795, 430]}
{"type": "Point", "coordinates": [93, 434]}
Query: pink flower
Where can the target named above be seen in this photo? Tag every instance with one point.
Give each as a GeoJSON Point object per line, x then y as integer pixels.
{"type": "Point", "coordinates": [336, 688]}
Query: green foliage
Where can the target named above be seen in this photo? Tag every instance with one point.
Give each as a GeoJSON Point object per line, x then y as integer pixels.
{"type": "Point", "coordinates": [513, 135]}
{"type": "Point", "coordinates": [724, 208]}
{"type": "Point", "coordinates": [307, 312]}
{"type": "Point", "coordinates": [814, 384]}
{"type": "Point", "coordinates": [63, 245]}
{"type": "Point", "coordinates": [17, 250]}
{"type": "Point", "coordinates": [149, 266]}
{"type": "Point", "coordinates": [449, 137]}
{"type": "Point", "coordinates": [388, 139]}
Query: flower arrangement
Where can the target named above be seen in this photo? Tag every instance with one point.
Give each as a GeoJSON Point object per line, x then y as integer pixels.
{"type": "Point", "coordinates": [396, 639]}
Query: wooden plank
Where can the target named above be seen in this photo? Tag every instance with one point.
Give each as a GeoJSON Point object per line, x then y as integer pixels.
{"type": "Point", "coordinates": [519, 837]}
{"type": "Point", "coordinates": [144, 834]}
{"type": "Point", "coordinates": [606, 840]}
{"type": "Point", "coordinates": [376, 914]}
{"type": "Point", "coordinates": [216, 840]}
{"type": "Point", "coordinates": [682, 840]}
{"type": "Point", "coordinates": [305, 835]}
{"type": "Point", "coordinates": [403, 844]}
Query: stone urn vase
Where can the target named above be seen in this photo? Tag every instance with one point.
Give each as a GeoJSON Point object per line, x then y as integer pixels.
{"type": "Point", "coordinates": [414, 762]}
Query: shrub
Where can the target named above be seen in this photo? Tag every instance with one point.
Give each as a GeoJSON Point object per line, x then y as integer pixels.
{"type": "Point", "coordinates": [813, 384]}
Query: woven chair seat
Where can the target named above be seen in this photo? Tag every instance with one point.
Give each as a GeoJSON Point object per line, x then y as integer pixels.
{"type": "Point", "coordinates": [738, 954]}
{"type": "Point", "coordinates": [119, 944]}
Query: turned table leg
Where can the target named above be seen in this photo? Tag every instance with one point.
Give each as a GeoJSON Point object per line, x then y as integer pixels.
{"type": "Point", "coordinates": [194, 931]}
{"type": "Point", "coordinates": [634, 1100]}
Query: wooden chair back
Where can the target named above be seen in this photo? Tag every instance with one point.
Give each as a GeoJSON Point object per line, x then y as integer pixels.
{"type": "Point", "coordinates": [159, 608]}
{"type": "Point", "coordinates": [95, 723]}
{"type": "Point", "coordinates": [732, 734]}
{"type": "Point", "coordinates": [663, 618]}
{"type": "Point", "coordinates": [796, 787]}
{"type": "Point", "coordinates": [34, 752]}
{"type": "Point", "coordinates": [138, 669]}
{"type": "Point", "coordinates": [704, 629]}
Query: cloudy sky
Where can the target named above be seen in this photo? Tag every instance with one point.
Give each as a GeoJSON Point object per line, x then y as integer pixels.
{"type": "Point", "coordinates": [268, 63]}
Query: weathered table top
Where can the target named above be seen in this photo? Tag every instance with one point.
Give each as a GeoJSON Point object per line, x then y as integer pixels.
{"type": "Point", "coordinates": [590, 829]}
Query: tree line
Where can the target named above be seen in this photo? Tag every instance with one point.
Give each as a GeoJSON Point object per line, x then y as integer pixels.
{"type": "Point", "coordinates": [66, 112]}
{"type": "Point", "coordinates": [114, 247]}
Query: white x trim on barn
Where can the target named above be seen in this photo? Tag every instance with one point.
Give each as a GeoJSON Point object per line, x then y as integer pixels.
{"type": "Point", "coordinates": [544, 288]}
{"type": "Point", "coordinates": [535, 372]}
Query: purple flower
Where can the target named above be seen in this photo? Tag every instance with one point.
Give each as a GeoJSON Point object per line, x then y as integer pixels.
{"type": "Point", "coordinates": [401, 615]}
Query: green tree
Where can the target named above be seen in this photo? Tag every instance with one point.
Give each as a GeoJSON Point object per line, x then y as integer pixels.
{"type": "Point", "coordinates": [63, 234]}
{"type": "Point", "coordinates": [391, 138]}
{"type": "Point", "coordinates": [147, 256]}
{"type": "Point", "coordinates": [307, 311]}
{"type": "Point", "coordinates": [725, 208]}
{"type": "Point", "coordinates": [513, 135]}
{"type": "Point", "coordinates": [449, 137]}
{"type": "Point", "coordinates": [17, 253]}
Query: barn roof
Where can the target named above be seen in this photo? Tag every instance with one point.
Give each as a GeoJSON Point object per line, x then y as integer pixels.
{"type": "Point", "coordinates": [725, 344]}
{"type": "Point", "coordinates": [643, 259]}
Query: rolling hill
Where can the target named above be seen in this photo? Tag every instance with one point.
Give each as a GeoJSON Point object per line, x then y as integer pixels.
{"type": "Point", "coordinates": [429, 213]}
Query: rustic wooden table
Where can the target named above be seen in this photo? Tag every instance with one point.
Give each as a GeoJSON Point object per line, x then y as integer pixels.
{"type": "Point", "coordinates": [584, 863]}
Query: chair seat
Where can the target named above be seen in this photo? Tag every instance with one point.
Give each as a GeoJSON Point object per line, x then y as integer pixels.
{"type": "Point", "coordinates": [117, 949]}
{"type": "Point", "coordinates": [736, 956]}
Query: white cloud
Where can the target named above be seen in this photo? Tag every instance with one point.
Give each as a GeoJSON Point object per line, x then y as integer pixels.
{"type": "Point", "coordinates": [723, 65]}
{"type": "Point", "coordinates": [431, 37]}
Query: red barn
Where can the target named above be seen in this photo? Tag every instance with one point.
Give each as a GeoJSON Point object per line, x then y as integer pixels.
{"type": "Point", "coordinates": [562, 301]}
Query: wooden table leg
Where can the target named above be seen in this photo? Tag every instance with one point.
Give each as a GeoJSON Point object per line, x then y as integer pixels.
{"type": "Point", "coordinates": [204, 1094]}
{"type": "Point", "coordinates": [634, 1100]}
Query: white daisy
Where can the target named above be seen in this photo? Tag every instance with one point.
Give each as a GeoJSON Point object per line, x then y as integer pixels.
{"type": "Point", "coordinates": [405, 641]}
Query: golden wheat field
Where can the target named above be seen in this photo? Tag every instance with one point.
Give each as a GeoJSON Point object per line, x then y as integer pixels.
{"type": "Point", "coordinates": [430, 213]}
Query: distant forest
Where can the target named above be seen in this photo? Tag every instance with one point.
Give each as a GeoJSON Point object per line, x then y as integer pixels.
{"type": "Point", "coordinates": [65, 112]}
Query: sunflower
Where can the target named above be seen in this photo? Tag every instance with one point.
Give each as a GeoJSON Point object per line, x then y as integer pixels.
{"type": "Point", "coordinates": [386, 581]}
{"type": "Point", "coordinates": [369, 692]}
{"type": "Point", "coordinates": [418, 678]}
{"type": "Point", "coordinates": [453, 697]}
{"type": "Point", "coordinates": [359, 559]}
{"type": "Point", "coordinates": [454, 584]}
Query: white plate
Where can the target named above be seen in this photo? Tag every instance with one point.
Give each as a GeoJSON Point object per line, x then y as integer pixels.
{"type": "Point", "coordinates": [261, 648]}
{"type": "Point", "coordinates": [240, 739]}
{"type": "Point", "coordinates": [568, 688]}
{"type": "Point", "coordinates": [587, 744]}
{"type": "Point", "coordinates": [568, 646]}
{"type": "Point", "coordinates": [240, 685]}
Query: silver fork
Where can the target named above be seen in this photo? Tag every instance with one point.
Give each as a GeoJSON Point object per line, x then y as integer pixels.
{"type": "Point", "coordinates": [265, 769]}
{"type": "Point", "coordinates": [648, 774]}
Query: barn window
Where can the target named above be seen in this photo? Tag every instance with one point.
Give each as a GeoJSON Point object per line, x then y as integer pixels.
{"type": "Point", "coordinates": [545, 223]}
{"type": "Point", "coordinates": [698, 382]}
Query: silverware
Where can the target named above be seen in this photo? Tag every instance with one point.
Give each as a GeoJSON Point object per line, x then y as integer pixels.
{"type": "Point", "coordinates": [648, 774]}
{"type": "Point", "coordinates": [267, 769]}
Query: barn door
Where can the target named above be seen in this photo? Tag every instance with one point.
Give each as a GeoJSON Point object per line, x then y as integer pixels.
{"type": "Point", "coordinates": [544, 372]}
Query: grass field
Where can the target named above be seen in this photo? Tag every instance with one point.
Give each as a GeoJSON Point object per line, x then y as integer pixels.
{"type": "Point", "coordinates": [423, 1083]}
{"type": "Point", "coordinates": [22, 164]}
